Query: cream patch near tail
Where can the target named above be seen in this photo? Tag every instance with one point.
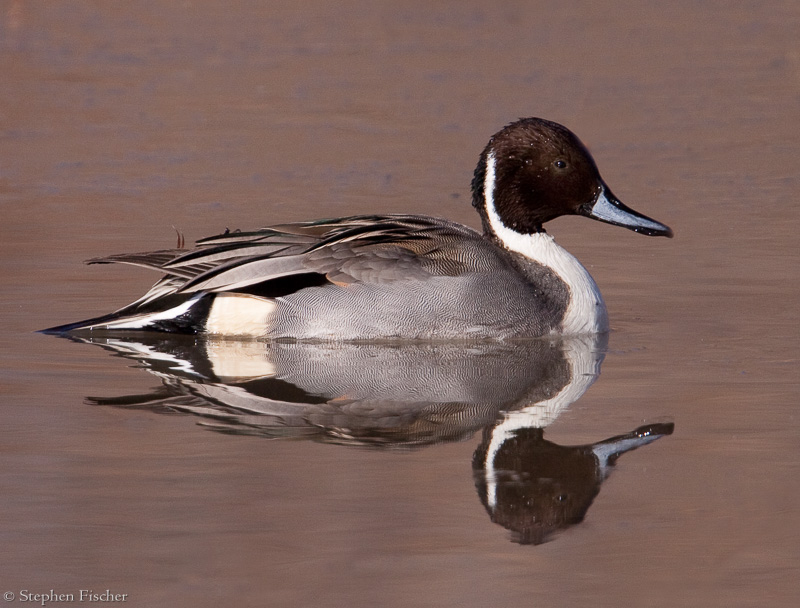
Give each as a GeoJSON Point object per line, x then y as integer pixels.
{"type": "Point", "coordinates": [234, 314]}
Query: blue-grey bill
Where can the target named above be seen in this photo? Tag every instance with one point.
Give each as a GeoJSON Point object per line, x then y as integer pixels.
{"type": "Point", "coordinates": [607, 208]}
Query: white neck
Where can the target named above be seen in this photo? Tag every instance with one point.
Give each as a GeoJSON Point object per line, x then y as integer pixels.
{"type": "Point", "coordinates": [586, 312]}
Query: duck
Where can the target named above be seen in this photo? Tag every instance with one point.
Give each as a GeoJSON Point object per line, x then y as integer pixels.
{"type": "Point", "coordinates": [400, 276]}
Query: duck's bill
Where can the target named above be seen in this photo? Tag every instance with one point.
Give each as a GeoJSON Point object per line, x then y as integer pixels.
{"type": "Point", "coordinates": [606, 208]}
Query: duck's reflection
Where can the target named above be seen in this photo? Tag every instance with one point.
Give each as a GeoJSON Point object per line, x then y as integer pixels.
{"type": "Point", "coordinates": [403, 395]}
{"type": "Point", "coordinates": [536, 488]}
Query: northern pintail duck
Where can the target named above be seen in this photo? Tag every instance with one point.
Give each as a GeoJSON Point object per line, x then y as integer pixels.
{"type": "Point", "coordinates": [401, 276]}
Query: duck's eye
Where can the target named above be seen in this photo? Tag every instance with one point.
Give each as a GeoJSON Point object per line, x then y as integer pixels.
{"type": "Point", "coordinates": [560, 164]}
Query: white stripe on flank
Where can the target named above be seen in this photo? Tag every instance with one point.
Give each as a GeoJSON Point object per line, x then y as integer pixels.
{"type": "Point", "coordinates": [235, 314]}
{"type": "Point", "coordinates": [142, 322]}
{"type": "Point", "coordinates": [586, 312]}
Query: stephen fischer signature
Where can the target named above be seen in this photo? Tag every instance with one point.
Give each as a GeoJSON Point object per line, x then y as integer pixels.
{"type": "Point", "coordinates": [52, 596]}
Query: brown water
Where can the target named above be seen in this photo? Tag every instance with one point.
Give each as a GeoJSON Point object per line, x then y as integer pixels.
{"type": "Point", "coordinates": [119, 121]}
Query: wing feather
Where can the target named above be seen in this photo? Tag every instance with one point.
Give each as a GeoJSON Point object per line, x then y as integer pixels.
{"type": "Point", "coordinates": [374, 248]}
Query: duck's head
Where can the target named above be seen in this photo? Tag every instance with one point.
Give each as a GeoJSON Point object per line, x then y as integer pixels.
{"type": "Point", "coordinates": [533, 171]}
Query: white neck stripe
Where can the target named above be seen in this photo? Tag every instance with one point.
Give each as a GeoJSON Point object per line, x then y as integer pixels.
{"type": "Point", "coordinates": [488, 184]}
{"type": "Point", "coordinates": [586, 312]}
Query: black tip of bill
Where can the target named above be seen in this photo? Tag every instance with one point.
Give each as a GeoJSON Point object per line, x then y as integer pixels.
{"type": "Point", "coordinates": [606, 208]}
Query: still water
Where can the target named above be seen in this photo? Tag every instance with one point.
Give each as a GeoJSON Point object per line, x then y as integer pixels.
{"type": "Point", "coordinates": [657, 467]}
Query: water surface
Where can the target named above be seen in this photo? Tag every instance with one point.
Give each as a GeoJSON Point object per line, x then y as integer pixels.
{"type": "Point", "coordinates": [120, 122]}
